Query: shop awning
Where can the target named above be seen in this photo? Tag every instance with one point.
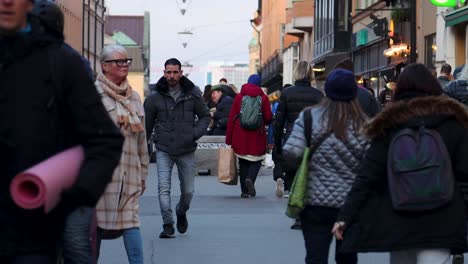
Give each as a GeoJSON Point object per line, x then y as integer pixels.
{"type": "Point", "coordinates": [456, 17]}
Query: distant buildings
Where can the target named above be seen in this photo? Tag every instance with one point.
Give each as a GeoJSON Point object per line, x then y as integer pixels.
{"type": "Point", "coordinates": [236, 74]}
{"type": "Point", "coordinates": [132, 32]}
{"type": "Point", "coordinates": [84, 27]}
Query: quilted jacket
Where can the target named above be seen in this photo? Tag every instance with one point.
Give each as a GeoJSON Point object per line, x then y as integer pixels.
{"type": "Point", "coordinates": [334, 165]}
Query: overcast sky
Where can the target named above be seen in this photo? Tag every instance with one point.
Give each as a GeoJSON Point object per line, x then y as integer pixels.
{"type": "Point", "coordinates": [221, 31]}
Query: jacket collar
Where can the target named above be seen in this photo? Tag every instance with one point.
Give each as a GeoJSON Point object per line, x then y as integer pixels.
{"type": "Point", "coordinates": [431, 109]}
{"type": "Point", "coordinates": [185, 84]}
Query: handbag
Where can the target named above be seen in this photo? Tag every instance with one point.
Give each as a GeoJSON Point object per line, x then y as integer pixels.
{"type": "Point", "coordinates": [227, 169]}
{"type": "Point", "coordinates": [297, 194]}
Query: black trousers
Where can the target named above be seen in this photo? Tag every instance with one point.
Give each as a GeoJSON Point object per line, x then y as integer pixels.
{"type": "Point", "coordinates": [317, 223]}
{"type": "Point", "coordinates": [287, 176]}
{"type": "Point", "coordinates": [29, 259]}
{"type": "Point", "coordinates": [248, 170]}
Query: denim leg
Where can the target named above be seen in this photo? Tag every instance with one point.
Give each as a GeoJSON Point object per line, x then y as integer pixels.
{"type": "Point", "coordinates": [165, 163]}
{"type": "Point", "coordinates": [76, 237]}
{"type": "Point", "coordinates": [243, 172]}
{"type": "Point", "coordinates": [133, 245]}
{"type": "Point", "coordinates": [254, 168]}
{"type": "Point", "coordinates": [186, 168]}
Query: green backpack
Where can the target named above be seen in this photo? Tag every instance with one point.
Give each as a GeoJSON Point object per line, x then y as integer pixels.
{"type": "Point", "coordinates": [250, 115]}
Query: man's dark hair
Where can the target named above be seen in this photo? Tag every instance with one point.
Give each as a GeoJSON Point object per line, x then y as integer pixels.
{"type": "Point", "coordinates": [173, 61]}
{"type": "Point", "coordinates": [223, 80]}
{"type": "Point", "coordinates": [446, 68]}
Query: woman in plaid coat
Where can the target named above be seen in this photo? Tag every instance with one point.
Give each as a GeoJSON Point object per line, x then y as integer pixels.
{"type": "Point", "coordinates": [117, 210]}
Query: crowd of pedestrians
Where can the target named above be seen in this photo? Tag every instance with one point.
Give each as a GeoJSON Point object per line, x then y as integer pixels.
{"type": "Point", "coordinates": [356, 186]}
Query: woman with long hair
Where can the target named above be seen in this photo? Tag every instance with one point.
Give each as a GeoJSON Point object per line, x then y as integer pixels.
{"type": "Point", "coordinates": [368, 220]}
{"type": "Point", "coordinates": [117, 210]}
{"type": "Point", "coordinates": [337, 147]}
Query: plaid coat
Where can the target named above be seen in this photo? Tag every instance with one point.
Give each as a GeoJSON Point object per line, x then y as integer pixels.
{"type": "Point", "coordinates": [118, 207]}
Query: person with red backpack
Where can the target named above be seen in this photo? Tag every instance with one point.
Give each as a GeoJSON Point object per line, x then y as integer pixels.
{"type": "Point", "coordinates": [409, 197]}
{"type": "Point", "coordinates": [250, 113]}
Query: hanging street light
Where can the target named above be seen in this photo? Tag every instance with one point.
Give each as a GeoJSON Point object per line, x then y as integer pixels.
{"type": "Point", "coordinates": [187, 68]}
{"type": "Point", "coordinates": [185, 36]}
{"type": "Point", "coordinates": [183, 5]}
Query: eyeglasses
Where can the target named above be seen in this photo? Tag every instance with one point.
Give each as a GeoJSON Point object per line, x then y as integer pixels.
{"type": "Point", "coordinates": [121, 62]}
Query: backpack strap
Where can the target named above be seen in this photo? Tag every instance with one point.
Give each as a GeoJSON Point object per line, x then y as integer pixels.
{"type": "Point", "coordinates": [308, 131]}
{"type": "Point", "coordinates": [307, 125]}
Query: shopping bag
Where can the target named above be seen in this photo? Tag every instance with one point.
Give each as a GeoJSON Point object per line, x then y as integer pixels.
{"type": "Point", "coordinates": [269, 161]}
{"type": "Point", "coordinates": [297, 194]}
{"type": "Point", "coordinates": [227, 170]}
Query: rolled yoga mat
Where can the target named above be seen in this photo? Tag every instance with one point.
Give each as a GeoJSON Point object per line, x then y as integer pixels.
{"type": "Point", "coordinates": [42, 184]}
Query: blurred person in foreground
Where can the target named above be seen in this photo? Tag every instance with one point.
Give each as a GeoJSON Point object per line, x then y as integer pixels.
{"type": "Point", "coordinates": [54, 108]}
{"type": "Point", "coordinates": [337, 147]}
{"type": "Point", "coordinates": [369, 220]}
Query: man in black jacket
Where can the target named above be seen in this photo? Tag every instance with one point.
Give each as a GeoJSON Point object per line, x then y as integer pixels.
{"type": "Point", "coordinates": [171, 112]}
{"type": "Point", "coordinates": [45, 111]}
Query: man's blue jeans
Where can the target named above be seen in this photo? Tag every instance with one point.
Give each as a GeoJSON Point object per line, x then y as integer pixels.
{"type": "Point", "coordinates": [76, 237]}
{"type": "Point", "coordinates": [186, 169]}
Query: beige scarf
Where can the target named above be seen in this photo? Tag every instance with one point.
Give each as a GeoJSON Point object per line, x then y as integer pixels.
{"type": "Point", "coordinates": [126, 116]}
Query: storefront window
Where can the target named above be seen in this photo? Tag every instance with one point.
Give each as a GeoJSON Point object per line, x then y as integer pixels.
{"type": "Point", "coordinates": [430, 50]}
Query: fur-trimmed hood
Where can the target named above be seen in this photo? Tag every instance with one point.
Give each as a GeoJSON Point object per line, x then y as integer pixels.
{"type": "Point", "coordinates": [429, 109]}
{"type": "Point", "coordinates": [186, 85]}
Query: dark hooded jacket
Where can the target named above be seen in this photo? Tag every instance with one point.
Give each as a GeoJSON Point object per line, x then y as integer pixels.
{"type": "Point", "coordinates": [373, 224]}
{"type": "Point", "coordinates": [221, 116]}
{"type": "Point", "coordinates": [243, 141]}
{"type": "Point", "coordinates": [48, 104]}
{"type": "Point", "coordinates": [174, 122]}
{"type": "Point", "coordinates": [292, 101]}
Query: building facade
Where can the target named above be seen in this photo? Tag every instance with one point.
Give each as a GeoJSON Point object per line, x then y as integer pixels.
{"type": "Point", "coordinates": [236, 74]}
{"type": "Point", "coordinates": [132, 32]}
{"type": "Point", "coordinates": [452, 36]}
{"type": "Point", "coordinates": [298, 27]}
{"type": "Point", "coordinates": [84, 27]}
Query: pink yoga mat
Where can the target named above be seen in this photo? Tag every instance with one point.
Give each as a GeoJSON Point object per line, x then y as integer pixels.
{"type": "Point", "coordinates": [42, 184]}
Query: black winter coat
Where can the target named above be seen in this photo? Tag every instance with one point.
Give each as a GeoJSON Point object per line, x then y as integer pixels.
{"type": "Point", "coordinates": [221, 116]}
{"type": "Point", "coordinates": [292, 101]}
{"type": "Point", "coordinates": [40, 116]}
{"type": "Point", "coordinates": [368, 211]}
{"type": "Point", "coordinates": [368, 102]}
{"type": "Point", "coordinates": [176, 130]}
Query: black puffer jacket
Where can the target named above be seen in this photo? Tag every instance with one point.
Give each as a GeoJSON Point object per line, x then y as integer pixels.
{"type": "Point", "coordinates": [221, 116]}
{"type": "Point", "coordinates": [373, 224]}
{"type": "Point", "coordinates": [292, 101]}
{"type": "Point", "coordinates": [174, 122]}
{"type": "Point", "coordinates": [39, 119]}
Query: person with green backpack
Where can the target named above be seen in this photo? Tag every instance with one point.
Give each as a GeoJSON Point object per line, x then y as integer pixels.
{"type": "Point", "coordinates": [250, 113]}
{"type": "Point", "coordinates": [327, 139]}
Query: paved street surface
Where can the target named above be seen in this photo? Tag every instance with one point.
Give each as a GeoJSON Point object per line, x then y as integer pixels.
{"type": "Point", "coordinates": [223, 228]}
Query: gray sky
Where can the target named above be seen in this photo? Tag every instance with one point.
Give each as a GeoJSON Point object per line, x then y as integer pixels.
{"type": "Point", "coordinates": [221, 31]}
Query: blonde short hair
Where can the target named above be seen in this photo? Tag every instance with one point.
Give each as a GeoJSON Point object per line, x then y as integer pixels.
{"type": "Point", "coordinates": [302, 70]}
